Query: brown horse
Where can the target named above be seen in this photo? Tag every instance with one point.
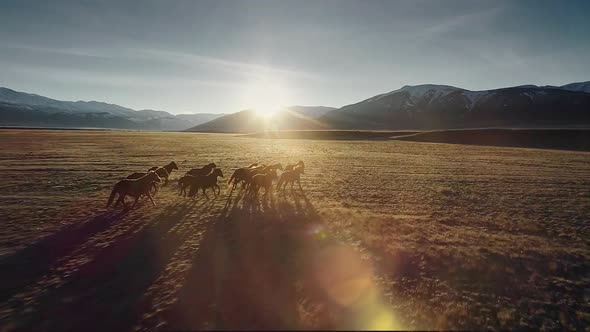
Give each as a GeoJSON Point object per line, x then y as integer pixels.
{"type": "Point", "coordinates": [155, 185]}
{"type": "Point", "coordinates": [205, 181]}
{"type": "Point", "coordinates": [165, 171]}
{"type": "Point", "coordinates": [290, 177]}
{"type": "Point", "coordinates": [183, 183]}
{"type": "Point", "coordinates": [202, 171]}
{"type": "Point", "coordinates": [292, 166]}
{"type": "Point", "coordinates": [134, 188]}
{"type": "Point", "coordinates": [242, 175]}
{"type": "Point", "coordinates": [272, 167]}
{"type": "Point", "coordinates": [263, 180]}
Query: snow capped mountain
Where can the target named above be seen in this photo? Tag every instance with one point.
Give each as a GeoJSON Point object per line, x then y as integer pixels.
{"type": "Point", "coordinates": [27, 109]}
{"type": "Point", "coordinates": [580, 86]}
{"type": "Point", "coordinates": [443, 106]}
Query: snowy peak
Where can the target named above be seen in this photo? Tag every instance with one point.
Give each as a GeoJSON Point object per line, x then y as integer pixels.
{"type": "Point", "coordinates": [443, 106]}
{"type": "Point", "coordinates": [580, 86]}
{"type": "Point", "coordinates": [418, 91]}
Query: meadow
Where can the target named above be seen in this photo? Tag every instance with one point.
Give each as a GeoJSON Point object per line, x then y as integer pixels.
{"type": "Point", "coordinates": [386, 235]}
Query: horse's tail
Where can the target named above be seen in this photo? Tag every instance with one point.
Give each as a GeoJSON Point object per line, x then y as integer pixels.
{"type": "Point", "coordinates": [232, 178]}
{"type": "Point", "coordinates": [112, 196]}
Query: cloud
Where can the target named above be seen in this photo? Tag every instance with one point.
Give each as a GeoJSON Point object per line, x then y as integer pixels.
{"type": "Point", "coordinates": [86, 77]}
{"type": "Point", "coordinates": [237, 67]}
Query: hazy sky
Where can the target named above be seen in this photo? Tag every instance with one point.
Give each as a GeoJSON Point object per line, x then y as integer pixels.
{"type": "Point", "coordinates": [224, 56]}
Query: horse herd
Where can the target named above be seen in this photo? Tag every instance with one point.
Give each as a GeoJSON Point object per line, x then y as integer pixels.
{"type": "Point", "coordinates": [251, 178]}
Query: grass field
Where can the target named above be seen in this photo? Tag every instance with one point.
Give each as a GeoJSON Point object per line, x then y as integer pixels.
{"type": "Point", "coordinates": [387, 234]}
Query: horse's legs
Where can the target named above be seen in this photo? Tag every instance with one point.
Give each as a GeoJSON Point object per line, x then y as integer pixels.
{"type": "Point", "coordinates": [151, 199]}
{"type": "Point", "coordinates": [205, 193]}
{"type": "Point", "coordinates": [299, 182]}
{"type": "Point", "coordinates": [218, 189]}
{"type": "Point", "coordinates": [137, 199]}
{"type": "Point", "coordinates": [119, 200]}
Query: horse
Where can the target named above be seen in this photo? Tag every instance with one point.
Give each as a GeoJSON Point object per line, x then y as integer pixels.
{"type": "Point", "coordinates": [263, 180]}
{"type": "Point", "coordinates": [290, 177]}
{"type": "Point", "coordinates": [272, 167]}
{"type": "Point", "coordinates": [183, 183]}
{"type": "Point", "coordinates": [245, 174]}
{"type": "Point", "coordinates": [134, 188]}
{"type": "Point", "coordinates": [292, 166]}
{"type": "Point", "coordinates": [205, 181]}
{"type": "Point", "coordinates": [202, 171]}
{"type": "Point", "coordinates": [138, 175]}
{"type": "Point", "coordinates": [165, 171]}
{"type": "Point", "coordinates": [240, 175]}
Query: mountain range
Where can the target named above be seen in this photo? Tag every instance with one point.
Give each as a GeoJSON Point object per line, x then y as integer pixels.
{"type": "Point", "coordinates": [425, 106]}
{"type": "Point", "coordinates": [431, 106]}
{"type": "Point", "coordinates": [442, 107]}
{"type": "Point", "coordinates": [25, 109]}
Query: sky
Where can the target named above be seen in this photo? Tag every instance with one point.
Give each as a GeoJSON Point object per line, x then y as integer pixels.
{"type": "Point", "coordinates": [224, 56]}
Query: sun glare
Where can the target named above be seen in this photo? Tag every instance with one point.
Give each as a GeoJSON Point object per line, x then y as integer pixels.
{"type": "Point", "coordinates": [267, 97]}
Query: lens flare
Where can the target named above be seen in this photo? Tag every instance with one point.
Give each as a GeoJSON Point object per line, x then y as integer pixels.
{"type": "Point", "coordinates": [349, 283]}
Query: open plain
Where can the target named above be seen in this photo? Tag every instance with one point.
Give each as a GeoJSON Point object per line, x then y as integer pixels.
{"type": "Point", "coordinates": [385, 235]}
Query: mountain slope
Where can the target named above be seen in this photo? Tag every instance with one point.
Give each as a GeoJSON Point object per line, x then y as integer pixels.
{"type": "Point", "coordinates": [580, 86]}
{"type": "Point", "coordinates": [441, 106]}
{"type": "Point", "coordinates": [37, 116]}
{"type": "Point", "coordinates": [248, 121]}
{"type": "Point", "coordinates": [26, 109]}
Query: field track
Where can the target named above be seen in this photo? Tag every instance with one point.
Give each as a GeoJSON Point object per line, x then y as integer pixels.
{"type": "Point", "coordinates": [386, 234]}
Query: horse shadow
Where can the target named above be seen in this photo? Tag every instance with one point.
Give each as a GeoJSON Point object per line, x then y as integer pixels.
{"type": "Point", "coordinates": [29, 263]}
{"type": "Point", "coordinates": [103, 293]}
{"type": "Point", "coordinates": [248, 267]}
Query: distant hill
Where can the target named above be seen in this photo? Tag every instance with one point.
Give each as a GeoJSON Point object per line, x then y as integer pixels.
{"type": "Point", "coordinates": [417, 107]}
{"type": "Point", "coordinates": [442, 107]}
{"type": "Point", "coordinates": [247, 121]}
{"type": "Point", "coordinates": [25, 109]}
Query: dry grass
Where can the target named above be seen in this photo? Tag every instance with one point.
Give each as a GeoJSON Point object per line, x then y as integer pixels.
{"type": "Point", "coordinates": [452, 236]}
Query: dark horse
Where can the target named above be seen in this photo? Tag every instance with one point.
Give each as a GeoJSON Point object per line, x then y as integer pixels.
{"type": "Point", "coordinates": [155, 185]}
{"type": "Point", "coordinates": [202, 171]}
{"type": "Point", "coordinates": [205, 181]}
{"type": "Point", "coordinates": [245, 174]}
{"type": "Point", "coordinates": [262, 180]}
{"type": "Point", "coordinates": [165, 171]}
{"type": "Point", "coordinates": [134, 188]}
{"type": "Point", "coordinates": [290, 177]}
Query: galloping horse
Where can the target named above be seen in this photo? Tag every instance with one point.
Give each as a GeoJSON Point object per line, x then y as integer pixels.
{"type": "Point", "coordinates": [134, 188]}
{"type": "Point", "coordinates": [290, 177]}
{"type": "Point", "coordinates": [183, 183]}
{"type": "Point", "coordinates": [164, 172]}
{"type": "Point", "coordinates": [245, 174]}
{"type": "Point", "coordinates": [202, 171]}
{"type": "Point", "coordinates": [205, 181]}
{"type": "Point", "coordinates": [299, 164]}
{"type": "Point", "coordinates": [262, 181]}
{"type": "Point", "coordinates": [154, 188]}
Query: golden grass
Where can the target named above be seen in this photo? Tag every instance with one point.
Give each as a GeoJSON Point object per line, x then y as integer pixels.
{"type": "Point", "coordinates": [449, 236]}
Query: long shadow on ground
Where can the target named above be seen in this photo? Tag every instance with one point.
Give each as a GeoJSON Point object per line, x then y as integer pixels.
{"type": "Point", "coordinates": [246, 271]}
{"type": "Point", "coordinates": [101, 294]}
{"type": "Point", "coordinates": [28, 264]}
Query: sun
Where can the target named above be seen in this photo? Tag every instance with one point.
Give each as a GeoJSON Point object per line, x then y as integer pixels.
{"type": "Point", "coordinates": [266, 96]}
